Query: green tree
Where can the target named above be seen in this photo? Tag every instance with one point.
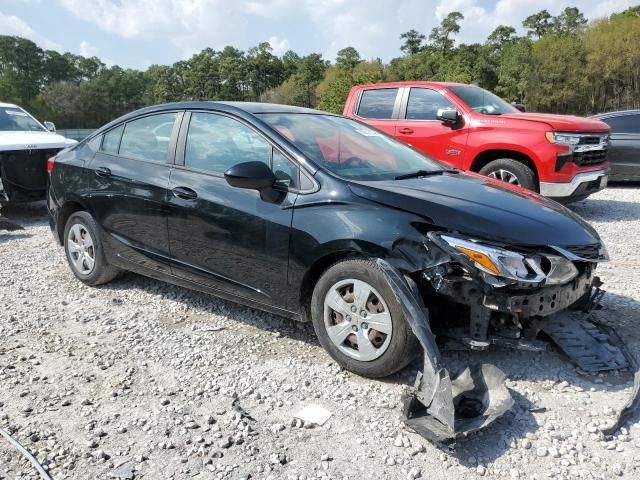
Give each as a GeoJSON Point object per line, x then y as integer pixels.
{"type": "Point", "coordinates": [264, 69]}
{"type": "Point", "coordinates": [200, 76]}
{"type": "Point", "coordinates": [347, 59]}
{"type": "Point", "coordinates": [538, 24]}
{"type": "Point", "coordinates": [569, 21]}
{"type": "Point", "coordinates": [22, 60]}
{"type": "Point", "coordinates": [613, 63]}
{"type": "Point", "coordinates": [502, 35]}
{"type": "Point", "coordinates": [338, 80]}
{"type": "Point", "coordinates": [412, 42]}
{"type": "Point", "coordinates": [557, 82]}
{"type": "Point", "coordinates": [290, 62]}
{"type": "Point", "coordinates": [513, 70]}
{"type": "Point", "coordinates": [440, 36]}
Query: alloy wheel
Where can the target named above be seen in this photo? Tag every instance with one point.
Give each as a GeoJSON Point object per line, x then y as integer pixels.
{"type": "Point", "coordinates": [357, 320]}
{"type": "Point", "coordinates": [81, 249]}
{"type": "Point", "coordinates": [505, 176]}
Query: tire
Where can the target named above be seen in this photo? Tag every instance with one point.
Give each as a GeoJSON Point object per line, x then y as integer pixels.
{"type": "Point", "coordinates": [77, 243]}
{"type": "Point", "coordinates": [392, 350]}
{"type": "Point", "coordinates": [506, 167]}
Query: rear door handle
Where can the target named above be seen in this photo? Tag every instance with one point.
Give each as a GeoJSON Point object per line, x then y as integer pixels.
{"type": "Point", "coordinates": [184, 193]}
{"type": "Point", "coordinates": [103, 172]}
{"type": "Point", "coordinates": [406, 131]}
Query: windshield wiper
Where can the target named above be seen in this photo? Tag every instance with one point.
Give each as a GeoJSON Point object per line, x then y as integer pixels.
{"type": "Point", "coordinates": [425, 173]}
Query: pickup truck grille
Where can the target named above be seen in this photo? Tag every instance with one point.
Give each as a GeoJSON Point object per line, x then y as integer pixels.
{"type": "Point", "coordinates": [591, 150]}
{"type": "Point", "coordinates": [590, 158]}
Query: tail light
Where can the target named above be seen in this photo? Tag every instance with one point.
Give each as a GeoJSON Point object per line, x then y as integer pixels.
{"type": "Point", "coordinates": [51, 161]}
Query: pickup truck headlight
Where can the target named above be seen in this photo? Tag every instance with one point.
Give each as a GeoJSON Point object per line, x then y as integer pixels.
{"type": "Point", "coordinates": [563, 138]}
{"type": "Point", "coordinates": [506, 264]}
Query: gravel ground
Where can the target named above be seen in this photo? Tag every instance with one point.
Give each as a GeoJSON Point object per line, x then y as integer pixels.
{"type": "Point", "coordinates": [140, 379]}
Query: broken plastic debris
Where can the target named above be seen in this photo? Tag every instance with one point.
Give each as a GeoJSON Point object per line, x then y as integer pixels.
{"type": "Point", "coordinates": [440, 408]}
{"type": "Point", "coordinates": [313, 413]}
{"type": "Point", "coordinates": [479, 397]}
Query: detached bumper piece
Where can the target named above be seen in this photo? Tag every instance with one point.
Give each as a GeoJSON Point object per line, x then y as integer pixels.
{"type": "Point", "coordinates": [442, 409]}
{"type": "Point", "coordinates": [478, 397]}
{"type": "Point", "coordinates": [586, 345]}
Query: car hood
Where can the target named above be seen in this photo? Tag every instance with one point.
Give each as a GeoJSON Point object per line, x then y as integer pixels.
{"type": "Point", "coordinates": [33, 141]}
{"type": "Point", "coordinates": [564, 123]}
{"type": "Point", "coordinates": [482, 207]}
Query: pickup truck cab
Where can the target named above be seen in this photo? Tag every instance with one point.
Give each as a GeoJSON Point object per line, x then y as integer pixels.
{"type": "Point", "coordinates": [25, 147]}
{"type": "Point", "coordinates": [560, 156]}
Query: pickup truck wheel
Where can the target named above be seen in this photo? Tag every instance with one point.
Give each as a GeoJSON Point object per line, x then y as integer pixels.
{"type": "Point", "coordinates": [511, 171]}
{"type": "Point", "coordinates": [359, 322]}
{"type": "Point", "coordinates": [84, 250]}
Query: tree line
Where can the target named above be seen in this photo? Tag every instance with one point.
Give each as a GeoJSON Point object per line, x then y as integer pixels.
{"type": "Point", "coordinates": [563, 64]}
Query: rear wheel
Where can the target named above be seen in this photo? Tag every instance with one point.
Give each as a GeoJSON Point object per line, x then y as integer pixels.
{"type": "Point", "coordinates": [359, 321]}
{"type": "Point", "coordinates": [511, 171]}
{"type": "Point", "coordinates": [84, 250]}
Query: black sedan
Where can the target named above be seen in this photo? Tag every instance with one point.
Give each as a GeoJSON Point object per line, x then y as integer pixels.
{"type": "Point", "coordinates": [624, 152]}
{"type": "Point", "coordinates": [318, 217]}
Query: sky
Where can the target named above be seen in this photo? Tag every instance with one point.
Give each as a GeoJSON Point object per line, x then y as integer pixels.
{"type": "Point", "coordinates": [139, 33]}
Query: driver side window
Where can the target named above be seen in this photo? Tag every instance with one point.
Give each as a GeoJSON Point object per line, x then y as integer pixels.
{"type": "Point", "coordinates": [216, 143]}
{"type": "Point", "coordinates": [424, 104]}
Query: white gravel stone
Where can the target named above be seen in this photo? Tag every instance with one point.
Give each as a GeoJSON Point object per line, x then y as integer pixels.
{"type": "Point", "coordinates": [145, 372]}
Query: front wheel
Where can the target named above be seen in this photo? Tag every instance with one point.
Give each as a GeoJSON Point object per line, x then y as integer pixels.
{"type": "Point", "coordinates": [84, 250]}
{"type": "Point", "coordinates": [511, 171]}
{"type": "Point", "coordinates": [359, 321]}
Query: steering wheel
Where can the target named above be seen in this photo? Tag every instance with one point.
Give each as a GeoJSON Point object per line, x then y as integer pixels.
{"type": "Point", "coordinates": [355, 161]}
{"type": "Point", "coordinates": [483, 110]}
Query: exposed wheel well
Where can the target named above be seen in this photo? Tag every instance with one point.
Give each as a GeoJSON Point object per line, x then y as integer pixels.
{"type": "Point", "coordinates": [490, 155]}
{"type": "Point", "coordinates": [66, 211]}
{"type": "Point", "coordinates": [315, 272]}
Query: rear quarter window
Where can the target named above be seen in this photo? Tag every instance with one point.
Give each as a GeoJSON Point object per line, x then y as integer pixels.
{"type": "Point", "coordinates": [111, 140]}
{"type": "Point", "coordinates": [377, 103]}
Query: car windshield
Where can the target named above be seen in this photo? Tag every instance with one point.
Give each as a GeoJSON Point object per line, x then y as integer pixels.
{"type": "Point", "coordinates": [14, 119]}
{"type": "Point", "coordinates": [348, 148]}
{"type": "Point", "coordinates": [482, 101]}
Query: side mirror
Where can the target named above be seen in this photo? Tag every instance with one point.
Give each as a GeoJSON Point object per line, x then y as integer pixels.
{"type": "Point", "coordinates": [448, 115]}
{"type": "Point", "coordinates": [251, 175]}
{"type": "Point", "coordinates": [519, 106]}
{"type": "Point", "coordinates": [50, 126]}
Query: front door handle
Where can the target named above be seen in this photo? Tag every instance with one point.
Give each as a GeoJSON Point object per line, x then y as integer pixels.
{"type": "Point", "coordinates": [103, 172]}
{"type": "Point", "coordinates": [184, 193]}
{"type": "Point", "coordinates": [406, 131]}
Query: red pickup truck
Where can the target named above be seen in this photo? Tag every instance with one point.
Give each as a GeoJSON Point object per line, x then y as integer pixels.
{"type": "Point", "coordinates": [559, 156]}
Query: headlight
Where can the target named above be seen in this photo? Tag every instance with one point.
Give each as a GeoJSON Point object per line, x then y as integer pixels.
{"type": "Point", "coordinates": [563, 138]}
{"type": "Point", "coordinates": [505, 264]}
{"type": "Point", "coordinates": [561, 270]}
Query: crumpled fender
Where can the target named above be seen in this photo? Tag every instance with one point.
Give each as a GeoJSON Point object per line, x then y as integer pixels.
{"type": "Point", "coordinates": [440, 408]}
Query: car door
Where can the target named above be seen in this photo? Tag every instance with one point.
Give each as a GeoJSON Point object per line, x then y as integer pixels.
{"type": "Point", "coordinates": [127, 186]}
{"type": "Point", "coordinates": [419, 127]}
{"type": "Point", "coordinates": [378, 107]}
{"type": "Point", "coordinates": [223, 237]}
{"type": "Point", "coordinates": [624, 152]}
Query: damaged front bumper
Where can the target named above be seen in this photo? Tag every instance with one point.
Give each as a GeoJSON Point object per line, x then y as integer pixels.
{"type": "Point", "coordinates": [443, 407]}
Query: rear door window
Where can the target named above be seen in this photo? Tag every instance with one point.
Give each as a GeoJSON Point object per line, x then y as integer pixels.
{"type": "Point", "coordinates": [424, 104]}
{"type": "Point", "coordinates": [377, 103]}
{"type": "Point", "coordinates": [146, 138]}
{"type": "Point", "coordinates": [624, 123]}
